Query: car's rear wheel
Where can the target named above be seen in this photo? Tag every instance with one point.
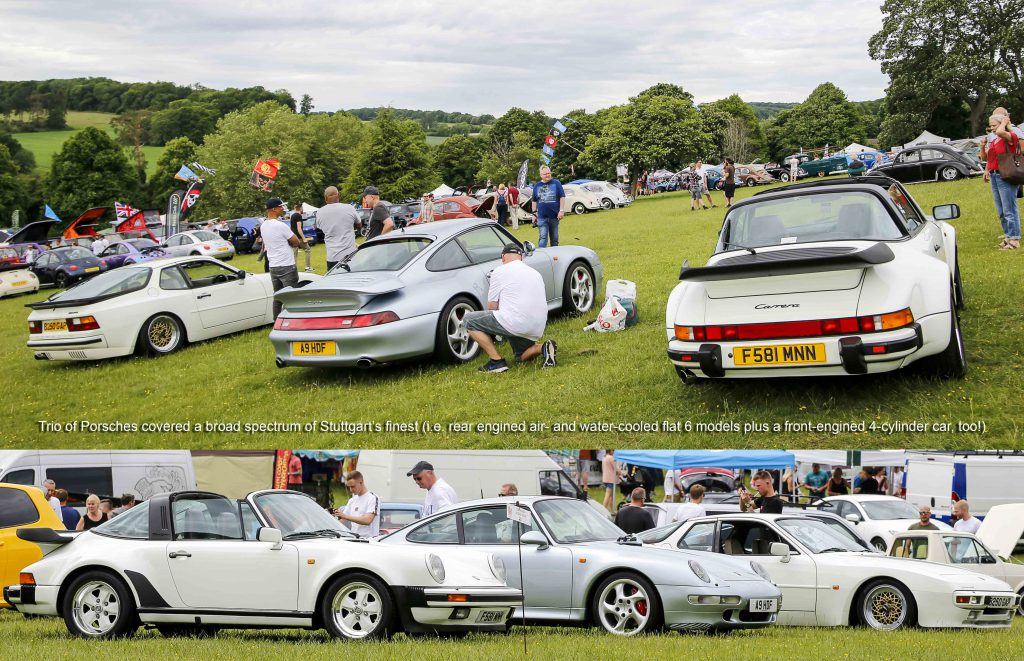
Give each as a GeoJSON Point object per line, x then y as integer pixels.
{"type": "Point", "coordinates": [607, 204]}
{"type": "Point", "coordinates": [821, 174]}
{"type": "Point", "coordinates": [357, 607]}
{"type": "Point", "coordinates": [880, 544]}
{"type": "Point", "coordinates": [60, 280]}
{"type": "Point", "coordinates": [952, 362]}
{"type": "Point", "coordinates": [579, 209]}
{"type": "Point", "coordinates": [1020, 606]}
{"type": "Point", "coordinates": [626, 604]}
{"type": "Point", "coordinates": [578, 289]}
{"type": "Point", "coordinates": [949, 173]}
{"type": "Point", "coordinates": [750, 182]}
{"type": "Point", "coordinates": [98, 604]}
{"type": "Point", "coordinates": [452, 343]}
{"type": "Point", "coordinates": [886, 605]}
{"type": "Point", "coordinates": [161, 334]}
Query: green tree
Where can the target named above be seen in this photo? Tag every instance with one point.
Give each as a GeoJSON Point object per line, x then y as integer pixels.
{"type": "Point", "coordinates": [825, 117]}
{"type": "Point", "coordinates": [516, 120]}
{"type": "Point", "coordinates": [747, 140]}
{"type": "Point", "coordinates": [91, 170]}
{"type": "Point", "coordinates": [177, 152]}
{"type": "Point", "coordinates": [458, 159]}
{"type": "Point", "coordinates": [184, 118]}
{"type": "Point", "coordinates": [24, 160]}
{"type": "Point", "coordinates": [394, 158]}
{"type": "Point", "coordinates": [306, 106]}
{"type": "Point", "coordinates": [14, 193]}
{"type": "Point", "coordinates": [503, 160]}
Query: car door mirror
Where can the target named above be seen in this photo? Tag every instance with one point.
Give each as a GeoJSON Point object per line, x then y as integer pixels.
{"type": "Point", "coordinates": [534, 538]}
{"type": "Point", "coordinates": [946, 212]}
{"type": "Point", "coordinates": [529, 247]}
{"type": "Point", "coordinates": [853, 518]}
{"type": "Point", "coordinates": [779, 549]}
{"type": "Point", "coordinates": [242, 274]}
{"type": "Point", "coordinates": [271, 536]}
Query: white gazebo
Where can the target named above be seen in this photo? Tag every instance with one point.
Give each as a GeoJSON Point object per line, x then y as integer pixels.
{"type": "Point", "coordinates": [926, 138]}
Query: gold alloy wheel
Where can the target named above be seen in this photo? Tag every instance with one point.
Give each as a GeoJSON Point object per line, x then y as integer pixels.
{"type": "Point", "coordinates": [164, 334]}
{"type": "Point", "coordinates": [885, 607]}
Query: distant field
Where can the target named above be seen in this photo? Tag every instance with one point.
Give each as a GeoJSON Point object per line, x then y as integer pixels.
{"type": "Point", "coordinates": [44, 144]}
{"type": "Point", "coordinates": [436, 139]}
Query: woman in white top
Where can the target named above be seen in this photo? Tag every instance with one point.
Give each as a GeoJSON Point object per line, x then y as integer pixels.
{"type": "Point", "coordinates": [673, 489]}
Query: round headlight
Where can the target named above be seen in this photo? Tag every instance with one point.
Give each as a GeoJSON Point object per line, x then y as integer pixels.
{"type": "Point", "coordinates": [699, 571]}
{"type": "Point", "coordinates": [497, 567]}
{"type": "Point", "coordinates": [759, 570]}
{"type": "Point", "coordinates": [435, 567]}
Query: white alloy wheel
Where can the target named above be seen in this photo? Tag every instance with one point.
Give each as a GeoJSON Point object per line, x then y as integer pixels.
{"type": "Point", "coordinates": [460, 343]}
{"type": "Point", "coordinates": [949, 173]}
{"type": "Point", "coordinates": [357, 610]}
{"type": "Point", "coordinates": [580, 284]}
{"type": "Point", "coordinates": [96, 608]}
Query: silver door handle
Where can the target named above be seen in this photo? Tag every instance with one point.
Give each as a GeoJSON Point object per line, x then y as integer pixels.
{"type": "Point", "coordinates": [203, 296]}
{"type": "Point", "coordinates": [179, 554]}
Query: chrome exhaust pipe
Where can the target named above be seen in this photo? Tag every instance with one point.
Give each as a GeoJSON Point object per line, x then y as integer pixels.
{"type": "Point", "coordinates": [280, 363]}
{"type": "Point", "coordinates": [365, 363]}
{"type": "Point", "coordinates": [41, 356]}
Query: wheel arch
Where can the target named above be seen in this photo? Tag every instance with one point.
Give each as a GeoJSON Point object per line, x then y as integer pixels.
{"type": "Point", "coordinates": [605, 573]}
{"type": "Point", "coordinates": [318, 622]}
{"type": "Point", "coordinates": [66, 582]}
{"type": "Point", "coordinates": [858, 592]}
{"type": "Point", "coordinates": [138, 331]}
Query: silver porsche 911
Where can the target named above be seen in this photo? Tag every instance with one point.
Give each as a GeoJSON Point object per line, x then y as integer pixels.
{"type": "Point", "coordinates": [580, 568]}
{"type": "Point", "coordinates": [406, 294]}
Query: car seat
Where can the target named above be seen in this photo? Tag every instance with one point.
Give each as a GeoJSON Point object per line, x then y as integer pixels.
{"type": "Point", "coordinates": [732, 546]}
{"type": "Point", "coordinates": [766, 231]}
{"type": "Point", "coordinates": [481, 530]}
{"type": "Point", "coordinates": [855, 221]}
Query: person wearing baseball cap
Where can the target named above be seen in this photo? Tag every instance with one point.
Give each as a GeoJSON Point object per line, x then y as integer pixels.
{"type": "Point", "coordinates": [517, 309]}
{"type": "Point", "coordinates": [440, 494]}
{"type": "Point", "coordinates": [278, 242]}
{"type": "Point", "coordinates": [380, 217]}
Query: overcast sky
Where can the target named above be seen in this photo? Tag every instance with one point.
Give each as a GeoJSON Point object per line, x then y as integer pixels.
{"type": "Point", "coordinates": [477, 56]}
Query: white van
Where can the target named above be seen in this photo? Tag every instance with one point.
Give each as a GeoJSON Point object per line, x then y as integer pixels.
{"type": "Point", "coordinates": [472, 473]}
{"type": "Point", "coordinates": [106, 473]}
{"type": "Point", "coordinates": [984, 479]}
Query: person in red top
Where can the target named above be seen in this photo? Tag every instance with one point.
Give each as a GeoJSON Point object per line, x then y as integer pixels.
{"type": "Point", "coordinates": [294, 470]}
{"type": "Point", "coordinates": [1005, 141]}
{"type": "Point", "coordinates": [513, 205]}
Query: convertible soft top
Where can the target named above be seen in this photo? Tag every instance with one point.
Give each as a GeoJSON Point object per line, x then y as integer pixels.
{"type": "Point", "coordinates": [788, 262]}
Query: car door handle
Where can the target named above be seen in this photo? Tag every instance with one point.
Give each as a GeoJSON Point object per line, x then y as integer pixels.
{"type": "Point", "coordinates": [203, 296]}
{"type": "Point", "coordinates": [179, 554]}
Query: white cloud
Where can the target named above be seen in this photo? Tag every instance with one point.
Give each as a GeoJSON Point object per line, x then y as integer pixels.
{"type": "Point", "coordinates": [460, 55]}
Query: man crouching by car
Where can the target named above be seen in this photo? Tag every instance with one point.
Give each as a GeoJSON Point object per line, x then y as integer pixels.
{"type": "Point", "coordinates": [516, 310]}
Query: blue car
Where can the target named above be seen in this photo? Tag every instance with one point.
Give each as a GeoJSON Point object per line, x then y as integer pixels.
{"type": "Point", "coordinates": [131, 251]}
{"type": "Point", "coordinates": [63, 267]}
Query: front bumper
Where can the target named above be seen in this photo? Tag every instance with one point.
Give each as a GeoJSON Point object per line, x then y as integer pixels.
{"type": "Point", "coordinates": [683, 615]}
{"type": "Point", "coordinates": [985, 609]}
{"type": "Point", "coordinates": [866, 353]}
{"type": "Point", "coordinates": [455, 609]}
{"type": "Point", "coordinates": [398, 340]}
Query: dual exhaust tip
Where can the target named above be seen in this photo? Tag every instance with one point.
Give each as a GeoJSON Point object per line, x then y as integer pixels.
{"type": "Point", "coordinates": [363, 363]}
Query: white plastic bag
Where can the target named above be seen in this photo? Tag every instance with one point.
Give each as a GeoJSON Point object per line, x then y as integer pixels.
{"type": "Point", "coordinates": [624, 290]}
{"type": "Point", "coordinates": [611, 318]}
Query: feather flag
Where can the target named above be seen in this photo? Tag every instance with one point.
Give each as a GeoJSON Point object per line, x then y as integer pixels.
{"type": "Point", "coordinates": [48, 213]}
{"type": "Point", "coordinates": [521, 176]}
{"type": "Point", "coordinates": [264, 173]}
{"type": "Point", "coordinates": [191, 197]}
{"type": "Point", "coordinates": [551, 141]}
{"type": "Point", "coordinates": [548, 150]}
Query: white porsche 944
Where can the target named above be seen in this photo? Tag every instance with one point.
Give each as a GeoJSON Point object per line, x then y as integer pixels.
{"type": "Point", "coordinates": [154, 307]}
{"type": "Point", "coordinates": [194, 562]}
{"type": "Point", "coordinates": [828, 277]}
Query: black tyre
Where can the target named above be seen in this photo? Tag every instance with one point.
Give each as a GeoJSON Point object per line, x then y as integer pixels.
{"type": "Point", "coordinates": [626, 604]}
{"type": "Point", "coordinates": [1020, 606]}
{"type": "Point", "coordinates": [452, 343]}
{"type": "Point", "coordinates": [949, 173]}
{"type": "Point", "coordinates": [952, 362]}
{"type": "Point", "coordinates": [162, 334]}
{"type": "Point", "coordinates": [578, 289]}
{"type": "Point", "coordinates": [958, 286]}
{"type": "Point", "coordinates": [187, 630]}
{"type": "Point", "coordinates": [98, 604]}
{"type": "Point", "coordinates": [607, 203]}
{"type": "Point", "coordinates": [750, 183]}
{"type": "Point", "coordinates": [784, 176]}
{"type": "Point", "coordinates": [61, 280]}
{"type": "Point", "coordinates": [886, 605]}
{"type": "Point", "coordinates": [821, 174]}
{"type": "Point", "coordinates": [579, 209]}
{"type": "Point", "coordinates": [194, 253]}
{"type": "Point", "coordinates": [357, 607]}
{"type": "Point", "coordinates": [880, 544]}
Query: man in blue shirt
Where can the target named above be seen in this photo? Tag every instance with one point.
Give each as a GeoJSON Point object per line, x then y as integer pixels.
{"type": "Point", "coordinates": [68, 514]}
{"type": "Point", "coordinates": [549, 200]}
{"type": "Point", "coordinates": [815, 481]}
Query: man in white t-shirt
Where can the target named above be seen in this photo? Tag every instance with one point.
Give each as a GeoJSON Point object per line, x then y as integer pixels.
{"type": "Point", "coordinates": [517, 309]}
{"type": "Point", "coordinates": [278, 241]}
{"type": "Point", "coordinates": [672, 486]}
{"type": "Point", "coordinates": [50, 488]}
{"type": "Point", "coordinates": [363, 509]}
{"type": "Point", "coordinates": [965, 522]}
{"type": "Point", "coordinates": [440, 494]}
{"type": "Point", "coordinates": [99, 245]}
{"type": "Point", "coordinates": [693, 508]}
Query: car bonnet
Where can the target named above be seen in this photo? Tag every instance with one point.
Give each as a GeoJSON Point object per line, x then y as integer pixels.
{"type": "Point", "coordinates": [1002, 527]}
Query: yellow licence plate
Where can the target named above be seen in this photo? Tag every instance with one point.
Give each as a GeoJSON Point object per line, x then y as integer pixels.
{"type": "Point", "coordinates": [222, 249]}
{"type": "Point", "coordinates": [782, 354]}
{"type": "Point", "coordinates": [92, 269]}
{"type": "Point", "coordinates": [318, 348]}
{"type": "Point", "coordinates": [19, 283]}
{"type": "Point", "coordinates": [55, 326]}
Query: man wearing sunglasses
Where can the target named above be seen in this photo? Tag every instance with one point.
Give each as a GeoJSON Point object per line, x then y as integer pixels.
{"type": "Point", "coordinates": [440, 494]}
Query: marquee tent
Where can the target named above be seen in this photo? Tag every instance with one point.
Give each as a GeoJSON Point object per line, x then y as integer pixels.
{"type": "Point", "coordinates": [926, 138]}
{"type": "Point", "coordinates": [442, 191]}
{"type": "Point", "coordinates": [856, 148]}
{"type": "Point", "coordinates": [734, 459]}
{"type": "Point", "coordinates": [838, 457]}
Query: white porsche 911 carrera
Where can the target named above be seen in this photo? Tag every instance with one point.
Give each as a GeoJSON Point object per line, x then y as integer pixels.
{"type": "Point", "coordinates": [193, 562]}
{"type": "Point", "coordinates": [154, 307]}
{"type": "Point", "coordinates": [828, 277]}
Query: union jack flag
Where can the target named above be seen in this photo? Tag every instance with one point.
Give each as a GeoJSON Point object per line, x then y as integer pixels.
{"type": "Point", "coordinates": [124, 210]}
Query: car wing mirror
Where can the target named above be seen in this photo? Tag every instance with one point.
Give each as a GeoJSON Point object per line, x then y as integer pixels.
{"type": "Point", "coordinates": [779, 549]}
{"type": "Point", "coordinates": [529, 247]}
{"type": "Point", "coordinates": [242, 274]}
{"type": "Point", "coordinates": [271, 536]}
{"type": "Point", "coordinates": [534, 538]}
{"type": "Point", "coordinates": [946, 212]}
{"type": "Point", "coordinates": [853, 518]}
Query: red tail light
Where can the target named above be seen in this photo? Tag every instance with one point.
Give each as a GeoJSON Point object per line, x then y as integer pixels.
{"type": "Point", "coordinates": [83, 324]}
{"type": "Point", "coordinates": [787, 329]}
{"type": "Point", "coordinates": [334, 323]}
{"type": "Point", "coordinates": [35, 327]}
{"type": "Point", "coordinates": [73, 268]}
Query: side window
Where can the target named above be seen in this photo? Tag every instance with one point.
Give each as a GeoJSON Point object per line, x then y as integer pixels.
{"type": "Point", "coordinates": [206, 517]}
{"type": "Point", "coordinates": [174, 240]}
{"type": "Point", "coordinates": [172, 279]}
{"type": "Point", "coordinates": [16, 508]}
{"type": "Point", "coordinates": [748, 538]}
{"type": "Point", "coordinates": [931, 155]}
{"type": "Point", "coordinates": [842, 508]}
{"type": "Point", "coordinates": [907, 211]}
{"type": "Point", "coordinates": [700, 537]}
{"type": "Point", "coordinates": [449, 256]}
{"type": "Point", "coordinates": [444, 530]}
{"type": "Point", "coordinates": [966, 551]}
{"type": "Point", "coordinates": [913, 156]}
{"type": "Point", "coordinates": [82, 481]}
{"type": "Point", "coordinates": [24, 476]}
{"type": "Point", "coordinates": [250, 524]}
{"type": "Point", "coordinates": [133, 524]}
{"type": "Point", "coordinates": [44, 261]}
{"type": "Point", "coordinates": [207, 273]}
{"type": "Point", "coordinates": [557, 483]}
{"type": "Point", "coordinates": [492, 526]}
{"type": "Point", "coordinates": [482, 245]}
{"type": "Point", "coordinates": [910, 547]}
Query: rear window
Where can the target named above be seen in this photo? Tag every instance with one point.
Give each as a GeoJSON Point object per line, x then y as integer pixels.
{"type": "Point", "coordinates": [384, 255]}
{"type": "Point", "coordinates": [203, 235]}
{"type": "Point", "coordinates": [133, 524]}
{"type": "Point", "coordinates": [119, 281]}
{"type": "Point", "coordinates": [76, 252]}
{"type": "Point", "coordinates": [16, 508]}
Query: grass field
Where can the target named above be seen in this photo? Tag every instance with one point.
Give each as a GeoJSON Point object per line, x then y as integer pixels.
{"type": "Point", "coordinates": [48, 638]}
{"type": "Point", "coordinates": [45, 144]}
{"type": "Point", "coordinates": [612, 378]}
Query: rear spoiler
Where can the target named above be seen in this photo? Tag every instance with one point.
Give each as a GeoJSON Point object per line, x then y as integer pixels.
{"type": "Point", "coordinates": [338, 291]}
{"type": "Point", "coordinates": [48, 539]}
{"type": "Point", "coordinates": [788, 262]}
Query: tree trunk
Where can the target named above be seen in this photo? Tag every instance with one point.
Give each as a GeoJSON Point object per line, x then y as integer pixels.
{"type": "Point", "coordinates": [977, 112]}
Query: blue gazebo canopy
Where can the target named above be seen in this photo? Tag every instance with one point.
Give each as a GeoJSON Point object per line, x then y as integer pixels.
{"type": "Point", "coordinates": [733, 459]}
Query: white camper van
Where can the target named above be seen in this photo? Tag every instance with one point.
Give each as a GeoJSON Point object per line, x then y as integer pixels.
{"type": "Point", "coordinates": [984, 479]}
{"type": "Point", "coordinates": [106, 473]}
{"type": "Point", "coordinates": [472, 473]}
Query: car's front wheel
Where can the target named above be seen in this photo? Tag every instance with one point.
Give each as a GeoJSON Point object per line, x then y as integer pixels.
{"type": "Point", "coordinates": [578, 289]}
{"type": "Point", "coordinates": [1020, 606]}
{"type": "Point", "coordinates": [784, 176]}
{"type": "Point", "coordinates": [750, 182]}
{"type": "Point", "coordinates": [579, 209]}
{"type": "Point", "coordinates": [949, 173]}
{"type": "Point", "coordinates": [357, 607]}
{"type": "Point", "coordinates": [626, 604]}
{"type": "Point", "coordinates": [452, 343]}
{"type": "Point", "coordinates": [607, 204]}
{"type": "Point", "coordinates": [880, 544]}
{"type": "Point", "coordinates": [98, 604]}
{"type": "Point", "coordinates": [886, 605]}
{"type": "Point", "coordinates": [161, 334]}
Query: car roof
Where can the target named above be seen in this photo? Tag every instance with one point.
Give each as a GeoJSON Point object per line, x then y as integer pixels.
{"type": "Point", "coordinates": [864, 496]}
{"type": "Point", "coordinates": [440, 229]}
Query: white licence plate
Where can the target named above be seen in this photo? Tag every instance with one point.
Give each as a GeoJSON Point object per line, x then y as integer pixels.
{"type": "Point", "coordinates": [764, 605]}
{"type": "Point", "coordinates": [485, 617]}
{"type": "Point", "coordinates": [999, 602]}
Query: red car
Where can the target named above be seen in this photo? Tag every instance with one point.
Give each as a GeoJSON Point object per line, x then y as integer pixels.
{"type": "Point", "coordinates": [460, 206]}
{"type": "Point", "coordinates": [9, 259]}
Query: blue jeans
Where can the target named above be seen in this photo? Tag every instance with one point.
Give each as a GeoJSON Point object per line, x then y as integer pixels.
{"type": "Point", "coordinates": [547, 227]}
{"type": "Point", "coordinates": [1005, 196]}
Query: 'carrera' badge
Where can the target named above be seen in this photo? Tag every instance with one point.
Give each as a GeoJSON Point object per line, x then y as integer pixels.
{"type": "Point", "coordinates": [763, 306]}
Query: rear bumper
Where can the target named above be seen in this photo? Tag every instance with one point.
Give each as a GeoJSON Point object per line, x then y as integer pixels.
{"type": "Point", "coordinates": [32, 599]}
{"type": "Point", "coordinates": [478, 609]}
{"type": "Point", "coordinates": [844, 355]}
{"type": "Point", "coordinates": [398, 340]}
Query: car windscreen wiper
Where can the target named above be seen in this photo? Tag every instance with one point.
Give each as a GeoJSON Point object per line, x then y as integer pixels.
{"type": "Point", "coordinates": [736, 245]}
{"type": "Point", "coordinates": [834, 549]}
{"type": "Point", "coordinates": [302, 534]}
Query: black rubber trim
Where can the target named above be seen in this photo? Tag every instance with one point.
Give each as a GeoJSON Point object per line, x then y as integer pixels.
{"type": "Point", "coordinates": [64, 345]}
{"type": "Point", "coordinates": [895, 346]}
{"type": "Point", "coordinates": [149, 597]}
{"type": "Point", "coordinates": [407, 598]}
{"type": "Point", "coordinates": [225, 612]}
{"type": "Point", "coordinates": [787, 262]}
{"type": "Point", "coordinates": [28, 595]}
{"type": "Point", "coordinates": [7, 597]}
{"type": "Point", "coordinates": [851, 353]}
{"type": "Point", "coordinates": [709, 356]}
{"type": "Point", "coordinates": [42, 536]}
